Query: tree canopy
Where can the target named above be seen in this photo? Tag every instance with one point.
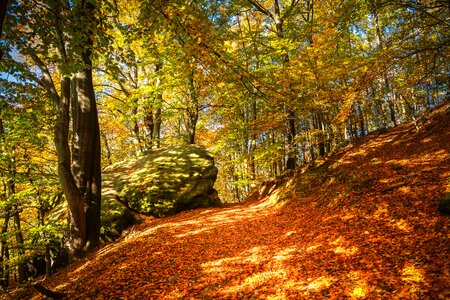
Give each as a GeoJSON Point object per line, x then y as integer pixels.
{"type": "Point", "coordinates": [266, 85]}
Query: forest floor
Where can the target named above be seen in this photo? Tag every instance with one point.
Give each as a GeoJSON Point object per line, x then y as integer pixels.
{"type": "Point", "coordinates": [363, 224]}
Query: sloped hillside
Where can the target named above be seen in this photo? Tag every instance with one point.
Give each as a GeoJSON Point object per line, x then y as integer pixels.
{"type": "Point", "coordinates": [362, 225]}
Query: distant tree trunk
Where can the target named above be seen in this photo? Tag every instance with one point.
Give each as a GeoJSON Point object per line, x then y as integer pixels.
{"type": "Point", "coordinates": [107, 147]}
{"type": "Point", "coordinates": [386, 88]}
{"type": "Point", "coordinates": [192, 109]}
{"type": "Point", "coordinates": [362, 128]}
{"type": "Point", "coordinates": [253, 142]}
{"type": "Point", "coordinates": [311, 150]}
{"type": "Point", "coordinates": [47, 258]}
{"type": "Point", "coordinates": [319, 125]}
{"type": "Point", "coordinates": [392, 110]}
{"type": "Point", "coordinates": [272, 141]}
{"type": "Point", "coordinates": [291, 162]}
{"type": "Point", "coordinates": [158, 123]}
{"type": "Point", "coordinates": [311, 142]}
{"type": "Point", "coordinates": [278, 18]}
{"type": "Point", "coordinates": [4, 251]}
{"type": "Point", "coordinates": [20, 244]}
{"type": "Point", "coordinates": [149, 124]}
{"type": "Point", "coordinates": [158, 111]}
{"type": "Point", "coordinates": [135, 124]}
{"type": "Point", "coordinates": [11, 191]}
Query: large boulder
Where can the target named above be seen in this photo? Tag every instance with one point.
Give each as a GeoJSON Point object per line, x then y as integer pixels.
{"type": "Point", "coordinates": [164, 181]}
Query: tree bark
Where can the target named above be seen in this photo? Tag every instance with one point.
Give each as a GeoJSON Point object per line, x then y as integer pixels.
{"type": "Point", "coordinates": [79, 172]}
{"type": "Point", "coordinates": [278, 18]}
{"type": "Point", "coordinates": [4, 251]}
{"type": "Point", "coordinates": [192, 108]}
{"type": "Point", "coordinates": [87, 154]}
{"type": "Point", "coordinates": [156, 136]}
{"type": "Point", "coordinates": [19, 241]}
{"type": "Point", "coordinates": [68, 184]}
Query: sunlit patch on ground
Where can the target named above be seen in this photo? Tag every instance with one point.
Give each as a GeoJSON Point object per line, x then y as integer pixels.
{"type": "Point", "coordinates": [313, 247]}
{"type": "Point", "coordinates": [403, 225]}
{"type": "Point", "coordinates": [411, 273]}
{"type": "Point", "coordinates": [193, 232]}
{"type": "Point", "coordinates": [285, 254]}
{"type": "Point", "coordinates": [256, 280]}
{"type": "Point", "coordinates": [347, 251]}
{"type": "Point", "coordinates": [358, 287]}
{"type": "Point", "coordinates": [382, 211]}
{"type": "Point", "coordinates": [319, 283]}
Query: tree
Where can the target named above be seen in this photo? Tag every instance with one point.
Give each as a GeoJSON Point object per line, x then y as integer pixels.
{"type": "Point", "coordinates": [67, 79]}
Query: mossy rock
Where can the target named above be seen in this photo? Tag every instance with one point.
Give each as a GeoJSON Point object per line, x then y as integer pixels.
{"type": "Point", "coordinates": [164, 181]}
{"type": "Point", "coordinates": [444, 206]}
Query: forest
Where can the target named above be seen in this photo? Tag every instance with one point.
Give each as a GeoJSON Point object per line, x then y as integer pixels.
{"type": "Point", "coordinates": [267, 86]}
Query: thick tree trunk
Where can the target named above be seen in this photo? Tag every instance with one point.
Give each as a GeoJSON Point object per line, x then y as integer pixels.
{"type": "Point", "coordinates": [68, 184]}
{"type": "Point", "coordinates": [79, 171]}
{"type": "Point", "coordinates": [87, 155]}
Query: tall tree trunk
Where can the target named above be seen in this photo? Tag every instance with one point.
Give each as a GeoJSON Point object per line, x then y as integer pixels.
{"type": "Point", "coordinates": [107, 147]}
{"type": "Point", "coordinates": [362, 128]}
{"type": "Point", "coordinates": [192, 108]}
{"type": "Point", "coordinates": [47, 258]}
{"type": "Point", "coordinates": [253, 145]}
{"type": "Point", "coordinates": [291, 162]}
{"type": "Point", "coordinates": [386, 88]}
{"type": "Point", "coordinates": [158, 112]}
{"type": "Point", "coordinates": [157, 128]}
{"type": "Point", "coordinates": [87, 153]}
{"type": "Point", "coordinates": [277, 18]}
{"type": "Point", "coordinates": [19, 241]}
{"type": "Point", "coordinates": [149, 123]}
{"type": "Point", "coordinates": [4, 251]}
{"type": "Point", "coordinates": [320, 126]}
{"type": "Point", "coordinates": [80, 174]}
{"type": "Point", "coordinates": [73, 196]}
{"type": "Point", "coordinates": [11, 191]}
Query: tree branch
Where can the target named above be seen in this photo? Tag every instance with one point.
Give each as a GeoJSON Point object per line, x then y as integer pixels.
{"type": "Point", "coordinates": [260, 8]}
{"type": "Point", "coordinates": [49, 293]}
